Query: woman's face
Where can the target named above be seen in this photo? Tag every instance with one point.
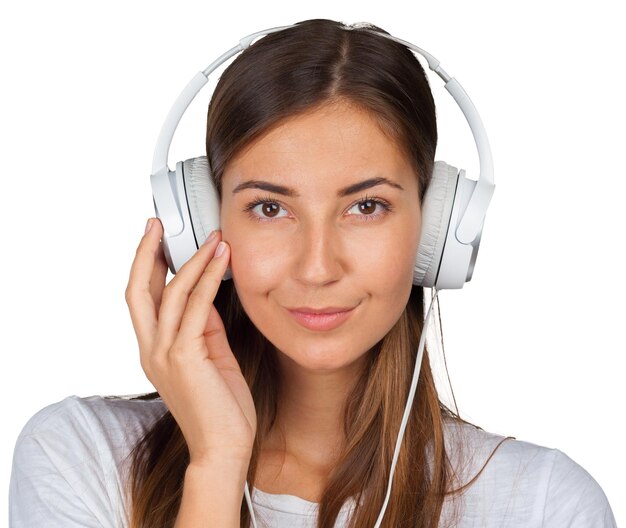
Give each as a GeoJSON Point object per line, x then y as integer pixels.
{"type": "Point", "coordinates": [311, 241]}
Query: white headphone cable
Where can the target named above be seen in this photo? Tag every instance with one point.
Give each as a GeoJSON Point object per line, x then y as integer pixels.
{"type": "Point", "coordinates": [249, 501]}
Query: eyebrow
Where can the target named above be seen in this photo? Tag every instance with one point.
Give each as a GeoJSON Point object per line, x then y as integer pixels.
{"type": "Point", "coordinates": [287, 191]}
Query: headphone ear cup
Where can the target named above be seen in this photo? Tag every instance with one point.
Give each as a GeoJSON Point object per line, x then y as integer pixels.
{"type": "Point", "coordinates": [203, 200]}
{"type": "Point", "coordinates": [436, 212]}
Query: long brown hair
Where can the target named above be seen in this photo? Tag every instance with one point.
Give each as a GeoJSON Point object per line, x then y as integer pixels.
{"type": "Point", "coordinates": [283, 74]}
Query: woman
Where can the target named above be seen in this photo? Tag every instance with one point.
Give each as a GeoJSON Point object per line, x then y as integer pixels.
{"type": "Point", "coordinates": [303, 409]}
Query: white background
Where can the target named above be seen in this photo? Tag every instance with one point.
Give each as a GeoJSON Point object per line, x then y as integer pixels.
{"type": "Point", "coordinates": [534, 343]}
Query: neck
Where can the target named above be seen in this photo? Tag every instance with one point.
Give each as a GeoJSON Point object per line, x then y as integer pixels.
{"type": "Point", "coordinates": [309, 425]}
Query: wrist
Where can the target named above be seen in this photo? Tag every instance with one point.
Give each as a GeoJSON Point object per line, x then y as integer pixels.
{"type": "Point", "coordinates": [228, 465]}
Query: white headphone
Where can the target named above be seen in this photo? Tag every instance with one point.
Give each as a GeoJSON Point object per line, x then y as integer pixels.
{"type": "Point", "coordinates": [453, 209]}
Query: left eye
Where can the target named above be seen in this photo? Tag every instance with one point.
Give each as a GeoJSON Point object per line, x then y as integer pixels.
{"type": "Point", "coordinates": [370, 205]}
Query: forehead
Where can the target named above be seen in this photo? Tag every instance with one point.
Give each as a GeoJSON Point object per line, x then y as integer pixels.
{"type": "Point", "coordinates": [326, 148]}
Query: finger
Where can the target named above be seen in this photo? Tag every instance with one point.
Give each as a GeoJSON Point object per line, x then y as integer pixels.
{"type": "Point", "coordinates": [159, 274]}
{"type": "Point", "coordinates": [139, 297]}
{"type": "Point", "coordinates": [177, 292]}
{"type": "Point", "coordinates": [196, 322]}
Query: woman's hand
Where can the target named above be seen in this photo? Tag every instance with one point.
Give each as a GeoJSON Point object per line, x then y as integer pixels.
{"type": "Point", "coordinates": [185, 353]}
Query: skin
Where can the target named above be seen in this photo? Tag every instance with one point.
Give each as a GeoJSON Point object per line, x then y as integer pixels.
{"type": "Point", "coordinates": [319, 250]}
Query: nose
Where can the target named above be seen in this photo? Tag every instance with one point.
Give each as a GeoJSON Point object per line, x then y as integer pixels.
{"type": "Point", "coordinates": [319, 254]}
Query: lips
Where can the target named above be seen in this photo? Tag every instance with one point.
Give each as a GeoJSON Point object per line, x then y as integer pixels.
{"type": "Point", "coordinates": [325, 319]}
{"type": "Point", "coordinates": [327, 310]}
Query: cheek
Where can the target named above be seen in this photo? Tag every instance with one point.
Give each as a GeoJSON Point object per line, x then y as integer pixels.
{"type": "Point", "coordinates": [256, 262]}
{"type": "Point", "coordinates": [388, 284]}
{"type": "Point", "coordinates": [253, 258]}
{"type": "Point", "coordinates": [257, 269]}
{"type": "Point", "coordinates": [391, 260]}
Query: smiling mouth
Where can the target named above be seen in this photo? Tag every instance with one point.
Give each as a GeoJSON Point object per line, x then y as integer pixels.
{"type": "Point", "coordinates": [316, 311]}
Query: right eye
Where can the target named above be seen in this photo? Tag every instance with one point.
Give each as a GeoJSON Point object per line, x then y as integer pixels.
{"type": "Point", "coordinates": [268, 206]}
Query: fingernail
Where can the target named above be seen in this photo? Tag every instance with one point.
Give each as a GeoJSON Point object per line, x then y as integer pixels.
{"type": "Point", "coordinates": [220, 248]}
{"type": "Point", "coordinates": [211, 236]}
{"type": "Point", "coordinates": [148, 226]}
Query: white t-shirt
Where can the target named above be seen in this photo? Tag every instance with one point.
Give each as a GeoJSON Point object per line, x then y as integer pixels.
{"type": "Point", "coordinates": [70, 466]}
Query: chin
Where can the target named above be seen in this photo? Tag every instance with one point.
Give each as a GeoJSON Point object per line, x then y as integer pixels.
{"type": "Point", "coordinates": [319, 358]}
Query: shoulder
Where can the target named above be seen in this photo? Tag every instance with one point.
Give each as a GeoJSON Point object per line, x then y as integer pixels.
{"type": "Point", "coordinates": [75, 452]}
{"type": "Point", "coordinates": [107, 421]}
{"type": "Point", "coordinates": [523, 483]}
{"type": "Point", "coordinates": [574, 496]}
{"type": "Point", "coordinates": [106, 410]}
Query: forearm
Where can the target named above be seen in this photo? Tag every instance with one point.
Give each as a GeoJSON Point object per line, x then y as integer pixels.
{"type": "Point", "coordinates": [212, 495]}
